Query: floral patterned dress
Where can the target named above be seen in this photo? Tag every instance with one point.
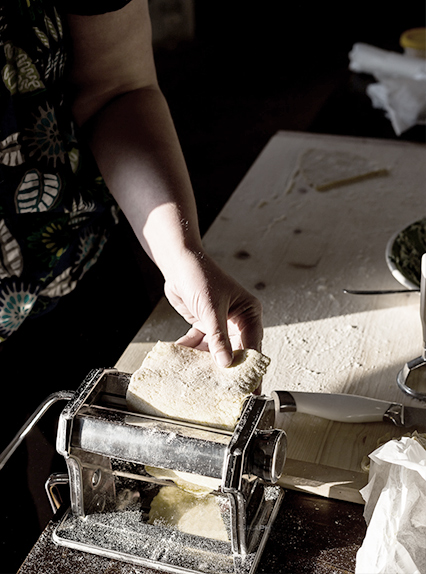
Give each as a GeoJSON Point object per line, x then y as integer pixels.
{"type": "Point", "coordinates": [55, 210]}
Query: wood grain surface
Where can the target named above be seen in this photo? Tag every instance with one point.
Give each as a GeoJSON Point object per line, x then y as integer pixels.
{"type": "Point", "coordinates": [297, 249]}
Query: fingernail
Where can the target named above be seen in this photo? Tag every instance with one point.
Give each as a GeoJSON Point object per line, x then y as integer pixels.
{"type": "Point", "coordinates": [223, 358]}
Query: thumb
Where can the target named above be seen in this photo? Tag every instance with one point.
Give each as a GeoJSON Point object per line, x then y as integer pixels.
{"type": "Point", "coordinates": [223, 357]}
{"type": "Point", "coordinates": [216, 330]}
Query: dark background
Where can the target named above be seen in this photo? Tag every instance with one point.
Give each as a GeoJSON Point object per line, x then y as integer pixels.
{"type": "Point", "coordinates": [258, 67]}
{"type": "Point", "coordinates": [251, 69]}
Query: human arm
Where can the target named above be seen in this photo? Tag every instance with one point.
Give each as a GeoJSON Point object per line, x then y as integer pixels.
{"type": "Point", "coordinates": [118, 103]}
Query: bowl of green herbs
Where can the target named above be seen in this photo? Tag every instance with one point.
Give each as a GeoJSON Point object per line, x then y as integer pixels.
{"type": "Point", "coordinates": [404, 252]}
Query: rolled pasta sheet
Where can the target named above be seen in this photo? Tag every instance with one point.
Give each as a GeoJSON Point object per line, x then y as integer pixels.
{"type": "Point", "coordinates": [180, 510]}
{"type": "Point", "coordinates": [186, 384]}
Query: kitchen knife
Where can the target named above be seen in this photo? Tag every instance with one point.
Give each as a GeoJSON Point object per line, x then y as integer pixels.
{"type": "Point", "coordinates": [349, 408]}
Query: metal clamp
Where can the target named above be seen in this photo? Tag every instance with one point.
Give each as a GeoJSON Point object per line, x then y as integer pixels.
{"type": "Point", "coordinates": [51, 485]}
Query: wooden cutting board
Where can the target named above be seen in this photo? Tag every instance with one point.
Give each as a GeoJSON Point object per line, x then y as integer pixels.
{"type": "Point", "coordinates": [297, 248]}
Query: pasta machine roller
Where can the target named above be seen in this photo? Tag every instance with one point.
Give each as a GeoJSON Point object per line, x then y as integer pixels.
{"type": "Point", "coordinates": [109, 451]}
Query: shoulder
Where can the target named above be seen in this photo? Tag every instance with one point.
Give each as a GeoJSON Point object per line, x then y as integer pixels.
{"type": "Point", "coordinates": [111, 55]}
{"type": "Point", "coordinates": [92, 7]}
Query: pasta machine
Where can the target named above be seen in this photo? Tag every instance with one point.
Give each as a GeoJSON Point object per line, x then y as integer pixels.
{"type": "Point", "coordinates": [108, 449]}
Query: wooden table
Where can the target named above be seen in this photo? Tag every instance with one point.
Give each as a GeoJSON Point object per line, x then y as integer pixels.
{"type": "Point", "coordinates": [297, 248]}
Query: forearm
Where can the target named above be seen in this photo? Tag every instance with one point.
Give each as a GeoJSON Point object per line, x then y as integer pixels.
{"type": "Point", "coordinates": [118, 104]}
{"type": "Point", "coordinates": [137, 150]}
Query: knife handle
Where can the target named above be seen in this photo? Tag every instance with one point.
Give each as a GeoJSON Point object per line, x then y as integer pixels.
{"type": "Point", "coordinates": [334, 407]}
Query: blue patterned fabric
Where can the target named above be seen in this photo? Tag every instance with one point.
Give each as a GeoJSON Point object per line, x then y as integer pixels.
{"type": "Point", "coordinates": [55, 210]}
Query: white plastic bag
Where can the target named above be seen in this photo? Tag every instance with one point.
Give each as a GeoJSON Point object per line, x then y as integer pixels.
{"type": "Point", "coordinates": [395, 510]}
{"type": "Point", "coordinates": [401, 86]}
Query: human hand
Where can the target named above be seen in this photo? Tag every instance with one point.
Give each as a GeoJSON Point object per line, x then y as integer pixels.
{"type": "Point", "coordinates": [224, 316]}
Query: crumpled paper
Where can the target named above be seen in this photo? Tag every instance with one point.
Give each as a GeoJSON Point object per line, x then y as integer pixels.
{"type": "Point", "coordinates": [395, 510]}
{"type": "Point", "coordinates": [401, 86]}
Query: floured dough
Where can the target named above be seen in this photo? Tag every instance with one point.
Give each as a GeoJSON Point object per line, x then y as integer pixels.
{"type": "Point", "coordinates": [175, 508]}
{"type": "Point", "coordinates": [186, 384]}
{"type": "Point", "coordinates": [196, 484]}
{"type": "Point", "coordinates": [325, 169]}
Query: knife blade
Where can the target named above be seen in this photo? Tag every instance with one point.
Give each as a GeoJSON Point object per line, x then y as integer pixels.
{"type": "Point", "coordinates": [348, 408]}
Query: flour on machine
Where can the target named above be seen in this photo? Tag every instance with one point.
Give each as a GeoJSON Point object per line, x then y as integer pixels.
{"type": "Point", "coordinates": [108, 450]}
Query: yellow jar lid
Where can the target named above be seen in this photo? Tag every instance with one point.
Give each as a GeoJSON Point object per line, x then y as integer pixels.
{"type": "Point", "coordinates": [414, 38]}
